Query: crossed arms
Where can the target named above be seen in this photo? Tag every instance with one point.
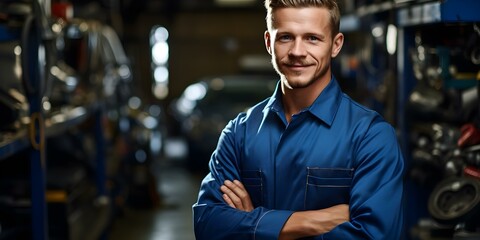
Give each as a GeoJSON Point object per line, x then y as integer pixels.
{"type": "Point", "coordinates": [300, 224]}
{"type": "Point", "coordinates": [224, 209]}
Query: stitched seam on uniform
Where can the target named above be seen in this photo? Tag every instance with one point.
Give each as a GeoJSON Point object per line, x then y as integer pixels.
{"type": "Point", "coordinates": [258, 222]}
{"type": "Point", "coordinates": [306, 189]}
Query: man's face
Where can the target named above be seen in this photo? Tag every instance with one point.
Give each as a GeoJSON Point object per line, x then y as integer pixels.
{"type": "Point", "coordinates": [301, 45]}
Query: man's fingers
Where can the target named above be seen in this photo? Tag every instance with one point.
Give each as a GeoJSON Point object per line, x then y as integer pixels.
{"type": "Point", "coordinates": [228, 200]}
{"type": "Point", "coordinates": [237, 187]}
{"type": "Point", "coordinates": [238, 195]}
{"type": "Point", "coordinates": [232, 196]}
{"type": "Point", "coordinates": [246, 201]}
{"type": "Point", "coordinates": [239, 184]}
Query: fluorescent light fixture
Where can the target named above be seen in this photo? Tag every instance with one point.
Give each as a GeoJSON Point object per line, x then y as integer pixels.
{"type": "Point", "coordinates": [392, 36]}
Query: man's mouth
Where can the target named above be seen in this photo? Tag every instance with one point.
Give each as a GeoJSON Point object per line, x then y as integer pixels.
{"type": "Point", "coordinates": [297, 67]}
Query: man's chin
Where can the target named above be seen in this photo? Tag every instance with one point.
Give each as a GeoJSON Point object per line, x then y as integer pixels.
{"type": "Point", "coordinates": [297, 82]}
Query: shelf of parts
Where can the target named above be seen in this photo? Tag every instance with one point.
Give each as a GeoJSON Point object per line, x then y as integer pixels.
{"type": "Point", "coordinates": [439, 11]}
{"type": "Point", "coordinates": [412, 13]}
{"type": "Point", "coordinates": [408, 18]}
{"type": "Point", "coordinates": [12, 143]}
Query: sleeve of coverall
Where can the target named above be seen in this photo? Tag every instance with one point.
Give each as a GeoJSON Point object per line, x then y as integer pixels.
{"type": "Point", "coordinates": [213, 218]}
{"type": "Point", "coordinates": [376, 197]}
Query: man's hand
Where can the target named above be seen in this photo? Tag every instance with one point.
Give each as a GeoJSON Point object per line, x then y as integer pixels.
{"type": "Point", "coordinates": [235, 195]}
{"type": "Point", "coordinates": [300, 224]}
{"type": "Point", "coordinates": [315, 222]}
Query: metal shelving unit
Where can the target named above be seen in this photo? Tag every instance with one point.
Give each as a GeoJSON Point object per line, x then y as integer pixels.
{"type": "Point", "coordinates": [410, 17]}
{"type": "Point", "coordinates": [32, 137]}
{"type": "Point", "coordinates": [13, 143]}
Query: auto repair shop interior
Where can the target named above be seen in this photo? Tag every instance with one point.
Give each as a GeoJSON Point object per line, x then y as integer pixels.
{"type": "Point", "coordinates": [110, 109]}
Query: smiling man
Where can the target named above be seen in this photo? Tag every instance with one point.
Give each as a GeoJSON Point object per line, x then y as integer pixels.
{"type": "Point", "coordinates": [308, 161]}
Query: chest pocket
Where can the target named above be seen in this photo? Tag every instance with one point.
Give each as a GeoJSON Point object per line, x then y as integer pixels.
{"type": "Point", "coordinates": [253, 182]}
{"type": "Point", "coordinates": [326, 187]}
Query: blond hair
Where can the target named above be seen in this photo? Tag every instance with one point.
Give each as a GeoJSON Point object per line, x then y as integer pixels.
{"type": "Point", "coordinates": [330, 5]}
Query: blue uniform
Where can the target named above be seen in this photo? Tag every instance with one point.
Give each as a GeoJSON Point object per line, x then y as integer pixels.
{"type": "Point", "coordinates": [336, 151]}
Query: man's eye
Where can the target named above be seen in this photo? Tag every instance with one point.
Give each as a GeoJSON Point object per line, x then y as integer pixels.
{"type": "Point", "coordinates": [284, 38]}
{"type": "Point", "coordinates": [313, 39]}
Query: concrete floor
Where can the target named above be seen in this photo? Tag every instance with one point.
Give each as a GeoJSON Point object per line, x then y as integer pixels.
{"type": "Point", "coordinates": [172, 220]}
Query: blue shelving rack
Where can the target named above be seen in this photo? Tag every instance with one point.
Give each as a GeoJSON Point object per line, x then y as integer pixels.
{"type": "Point", "coordinates": [32, 137]}
{"type": "Point", "coordinates": [410, 17]}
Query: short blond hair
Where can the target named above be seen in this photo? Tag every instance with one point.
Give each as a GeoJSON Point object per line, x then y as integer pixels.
{"type": "Point", "coordinates": [330, 5]}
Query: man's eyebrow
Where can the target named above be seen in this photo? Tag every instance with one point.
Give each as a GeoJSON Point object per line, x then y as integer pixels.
{"type": "Point", "coordinates": [319, 35]}
{"type": "Point", "coordinates": [283, 32]}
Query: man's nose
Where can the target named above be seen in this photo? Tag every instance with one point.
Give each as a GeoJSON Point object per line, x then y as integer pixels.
{"type": "Point", "coordinates": [297, 48]}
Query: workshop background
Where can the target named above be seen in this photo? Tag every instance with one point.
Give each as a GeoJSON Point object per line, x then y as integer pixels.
{"type": "Point", "coordinates": [109, 109]}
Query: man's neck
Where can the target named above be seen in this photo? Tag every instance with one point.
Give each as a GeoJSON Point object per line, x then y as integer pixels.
{"type": "Point", "coordinates": [297, 99]}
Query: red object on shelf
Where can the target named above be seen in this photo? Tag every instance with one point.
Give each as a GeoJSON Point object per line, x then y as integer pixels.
{"type": "Point", "coordinates": [470, 135]}
{"type": "Point", "coordinates": [63, 10]}
{"type": "Point", "coordinates": [472, 172]}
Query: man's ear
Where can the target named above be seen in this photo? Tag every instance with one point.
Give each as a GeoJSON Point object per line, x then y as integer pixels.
{"type": "Point", "coordinates": [337, 44]}
{"type": "Point", "coordinates": [268, 39]}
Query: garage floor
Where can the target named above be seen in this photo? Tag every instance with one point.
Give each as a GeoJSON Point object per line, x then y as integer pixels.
{"type": "Point", "coordinates": [172, 220]}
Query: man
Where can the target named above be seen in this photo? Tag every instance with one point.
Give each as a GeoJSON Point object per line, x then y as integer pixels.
{"type": "Point", "coordinates": [308, 161]}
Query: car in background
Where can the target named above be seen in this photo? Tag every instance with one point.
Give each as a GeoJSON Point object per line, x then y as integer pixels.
{"type": "Point", "coordinates": [206, 106]}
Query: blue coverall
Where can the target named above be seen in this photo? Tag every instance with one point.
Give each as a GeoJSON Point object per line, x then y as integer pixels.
{"type": "Point", "coordinates": [336, 151]}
